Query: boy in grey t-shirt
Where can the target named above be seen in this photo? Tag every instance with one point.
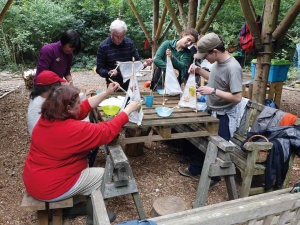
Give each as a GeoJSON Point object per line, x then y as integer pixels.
{"type": "Point", "coordinates": [223, 92]}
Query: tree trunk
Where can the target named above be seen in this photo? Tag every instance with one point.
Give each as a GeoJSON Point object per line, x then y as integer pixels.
{"type": "Point", "coordinates": [192, 16]}
{"type": "Point", "coordinates": [264, 58]}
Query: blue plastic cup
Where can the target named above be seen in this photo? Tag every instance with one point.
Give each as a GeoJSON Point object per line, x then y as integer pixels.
{"type": "Point", "coordinates": [148, 100]}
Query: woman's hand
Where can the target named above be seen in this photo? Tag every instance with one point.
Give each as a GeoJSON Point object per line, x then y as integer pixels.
{"type": "Point", "coordinates": [169, 53]}
{"type": "Point", "coordinates": [148, 62]}
{"type": "Point", "coordinates": [176, 72]}
{"type": "Point", "coordinates": [113, 73]}
{"type": "Point", "coordinates": [132, 106]}
{"type": "Point", "coordinates": [112, 87]}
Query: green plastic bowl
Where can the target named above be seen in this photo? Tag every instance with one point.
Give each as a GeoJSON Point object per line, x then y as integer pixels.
{"type": "Point", "coordinates": [110, 110]}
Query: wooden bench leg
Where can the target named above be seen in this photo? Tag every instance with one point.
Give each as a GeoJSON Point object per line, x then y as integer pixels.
{"type": "Point", "coordinates": [248, 175]}
{"type": "Point", "coordinates": [139, 205]}
{"type": "Point", "coordinates": [231, 187]}
{"type": "Point", "coordinates": [203, 186]}
{"type": "Point", "coordinates": [43, 217]}
{"type": "Point", "coordinates": [57, 217]}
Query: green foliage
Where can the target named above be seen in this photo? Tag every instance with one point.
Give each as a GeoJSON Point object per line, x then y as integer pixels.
{"type": "Point", "coordinates": [29, 24]}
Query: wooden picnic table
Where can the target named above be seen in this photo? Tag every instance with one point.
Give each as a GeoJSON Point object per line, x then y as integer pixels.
{"type": "Point", "coordinates": [135, 135]}
{"type": "Point", "coordinates": [199, 128]}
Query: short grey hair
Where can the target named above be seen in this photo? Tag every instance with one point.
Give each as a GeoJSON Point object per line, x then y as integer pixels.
{"type": "Point", "coordinates": [119, 25]}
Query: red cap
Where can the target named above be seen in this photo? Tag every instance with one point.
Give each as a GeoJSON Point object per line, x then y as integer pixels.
{"type": "Point", "coordinates": [47, 77]}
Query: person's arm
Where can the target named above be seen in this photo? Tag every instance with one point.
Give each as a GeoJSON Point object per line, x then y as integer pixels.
{"type": "Point", "coordinates": [45, 59]}
{"type": "Point", "coordinates": [68, 75]}
{"type": "Point", "coordinates": [202, 72]}
{"type": "Point", "coordinates": [160, 56]}
{"type": "Point", "coordinates": [227, 96]}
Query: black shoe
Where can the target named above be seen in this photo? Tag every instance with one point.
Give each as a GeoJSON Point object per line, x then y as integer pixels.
{"type": "Point", "coordinates": [77, 210]}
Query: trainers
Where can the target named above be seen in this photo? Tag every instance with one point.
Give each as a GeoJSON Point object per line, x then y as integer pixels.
{"type": "Point", "coordinates": [187, 173]}
{"type": "Point", "coordinates": [213, 184]}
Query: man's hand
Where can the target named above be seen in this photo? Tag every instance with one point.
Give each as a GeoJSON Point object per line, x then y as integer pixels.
{"type": "Point", "coordinates": [113, 73]}
{"type": "Point", "coordinates": [204, 90]}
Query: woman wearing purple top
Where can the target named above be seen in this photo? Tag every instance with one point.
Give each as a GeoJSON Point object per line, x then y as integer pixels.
{"type": "Point", "coordinates": [57, 57]}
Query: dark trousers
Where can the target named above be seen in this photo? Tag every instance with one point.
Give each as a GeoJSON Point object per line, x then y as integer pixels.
{"type": "Point", "coordinates": [197, 164]}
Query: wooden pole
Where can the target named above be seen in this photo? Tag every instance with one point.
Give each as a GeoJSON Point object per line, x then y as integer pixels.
{"type": "Point", "coordinates": [173, 15]}
{"type": "Point", "coordinates": [167, 29]}
{"type": "Point", "coordinates": [250, 20]}
{"type": "Point", "coordinates": [182, 14]}
{"type": "Point", "coordinates": [252, 9]}
{"type": "Point", "coordinates": [271, 11]}
{"type": "Point", "coordinates": [212, 17]}
{"type": "Point", "coordinates": [4, 10]}
{"type": "Point", "coordinates": [155, 26]}
{"type": "Point", "coordinates": [192, 16]}
{"type": "Point", "coordinates": [161, 22]}
{"type": "Point", "coordinates": [139, 20]}
{"type": "Point", "coordinates": [286, 23]}
{"type": "Point", "coordinates": [203, 14]}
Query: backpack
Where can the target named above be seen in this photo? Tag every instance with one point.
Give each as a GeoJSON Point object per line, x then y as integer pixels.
{"type": "Point", "coordinates": [246, 40]}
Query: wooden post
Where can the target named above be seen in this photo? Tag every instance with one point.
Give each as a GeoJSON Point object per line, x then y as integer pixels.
{"type": "Point", "coordinates": [6, 7]}
{"type": "Point", "coordinates": [161, 21]}
{"type": "Point", "coordinates": [182, 14]}
{"type": "Point", "coordinates": [250, 20]}
{"type": "Point", "coordinates": [192, 16]}
{"type": "Point", "coordinates": [173, 15]}
{"type": "Point", "coordinates": [264, 59]}
{"type": "Point", "coordinates": [139, 20]}
{"type": "Point", "coordinates": [212, 16]}
{"type": "Point", "coordinates": [204, 13]}
{"type": "Point", "coordinates": [287, 21]}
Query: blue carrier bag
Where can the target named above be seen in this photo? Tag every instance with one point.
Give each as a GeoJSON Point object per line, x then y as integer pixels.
{"type": "Point", "coordinates": [136, 222]}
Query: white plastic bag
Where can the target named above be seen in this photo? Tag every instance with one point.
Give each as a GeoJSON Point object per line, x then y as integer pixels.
{"type": "Point", "coordinates": [133, 93]}
{"type": "Point", "coordinates": [126, 69]}
{"type": "Point", "coordinates": [189, 99]}
{"type": "Point", "coordinates": [172, 86]}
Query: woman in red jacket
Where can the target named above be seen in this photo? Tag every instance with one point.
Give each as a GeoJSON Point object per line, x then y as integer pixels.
{"type": "Point", "coordinates": [56, 167]}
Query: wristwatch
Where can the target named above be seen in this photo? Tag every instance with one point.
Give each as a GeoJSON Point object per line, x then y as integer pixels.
{"type": "Point", "coordinates": [213, 93]}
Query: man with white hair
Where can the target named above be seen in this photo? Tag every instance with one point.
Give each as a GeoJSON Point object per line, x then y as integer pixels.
{"type": "Point", "coordinates": [115, 48]}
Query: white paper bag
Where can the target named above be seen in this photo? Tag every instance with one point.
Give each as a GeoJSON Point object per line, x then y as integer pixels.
{"type": "Point", "coordinates": [133, 93]}
{"type": "Point", "coordinates": [172, 86]}
{"type": "Point", "coordinates": [189, 99]}
{"type": "Point", "coordinates": [126, 69]}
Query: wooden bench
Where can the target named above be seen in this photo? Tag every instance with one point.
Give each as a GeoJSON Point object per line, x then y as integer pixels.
{"type": "Point", "coordinates": [43, 209]}
{"type": "Point", "coordinates": [246, 162]}
{"type": "Point", "coordinates": [118, 177]}
{"type": "Point", "coordinates": [277, 207]}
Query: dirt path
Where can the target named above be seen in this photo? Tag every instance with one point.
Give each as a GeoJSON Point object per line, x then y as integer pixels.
{"type": "Point", "coordinates": [155, 171]}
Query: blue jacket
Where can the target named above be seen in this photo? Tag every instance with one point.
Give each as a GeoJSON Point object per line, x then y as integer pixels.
{"type": "Point", "coordinates": [297, 60]}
